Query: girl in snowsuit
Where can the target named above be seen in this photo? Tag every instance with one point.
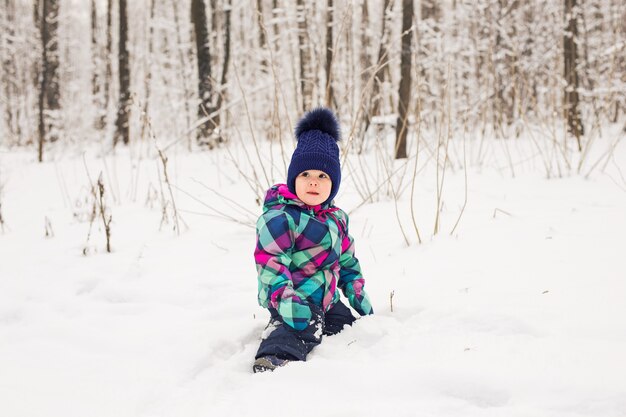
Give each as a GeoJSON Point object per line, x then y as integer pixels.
{"type": "Point", "coordinates": [304, 251]}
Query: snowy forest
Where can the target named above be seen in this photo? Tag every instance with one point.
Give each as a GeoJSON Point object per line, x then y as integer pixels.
{"type": "Point", "coordinates": [483, 169]}
{"type": "Point", "coordinates": [198, 72]}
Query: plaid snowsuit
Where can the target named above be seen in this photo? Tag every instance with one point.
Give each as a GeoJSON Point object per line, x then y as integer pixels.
{"type": "Point", "coordinates": [303, 254]}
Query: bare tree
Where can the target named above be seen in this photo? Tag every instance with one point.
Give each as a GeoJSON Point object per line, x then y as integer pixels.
{"type": "Point", "coordinates": [306, 78]}
{"type": "Point", "coordinates": [53, 96]}
{"type": "Point", "coordinates": [329, 52]}
{"type": "Point", "coordinates": [199, 21]}
{"type": "Point", "coordinates": [37, 12]}
{"type": "Point", "coordinates": [262, 39]}
{"type": "Point", "coordinates": [227, 12]}
{"type": "Point", "coordinates": [404, 91]}
{"type": "Point", "coordinates": [429, 58]}
{"type": "Point", "coordinates": [570, 55]}
{"type": "Point", "coordinates": [122, 127]}
{"type": "Point", "coordinates": [96, 75]}
{"type": "Point", "coordinates": [94, 49]}
{"type": "Point", "coordinates": [618, 28]}
{"type": "Point", "coordinates": [8, 68]}
{"type": "Point", "coordinates": [49, 100]}
{"type": "Point", "coordinates": [366, 41]}
{"type": "Point", "coordinates": [492, 58]}
{"type": "Point", "coordinates": [275, 13]}
{"type": "Point", "coordinates": [381, 67]}
{"type": "Point", "coordinates": [148, 79]}
{"type": "Point", "coordinates": [185, 55]}
{"type": "Point", "coordinates": [108, 72]}
{"type": "Point", "coordinates": [504, 65]}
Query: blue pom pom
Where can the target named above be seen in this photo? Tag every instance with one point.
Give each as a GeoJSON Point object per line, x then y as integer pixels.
{"type": "Point", "coordinates": [321, 119]}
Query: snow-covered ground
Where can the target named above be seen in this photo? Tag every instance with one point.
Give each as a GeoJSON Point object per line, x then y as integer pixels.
{"type": "Point", "coordinates": [521, 312]}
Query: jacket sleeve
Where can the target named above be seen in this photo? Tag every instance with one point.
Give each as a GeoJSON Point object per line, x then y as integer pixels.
{"type": "Point", "coordinates": [275, 238]}
{"type": "Point", "coordinates": [351, 281]}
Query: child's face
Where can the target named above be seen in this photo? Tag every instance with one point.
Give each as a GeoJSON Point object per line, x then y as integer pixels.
{"type": "Point", "coordinates": [313, 187]}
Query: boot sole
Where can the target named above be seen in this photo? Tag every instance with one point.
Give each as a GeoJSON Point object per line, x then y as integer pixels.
{"type": "Point", "coordinates": [263, 365]}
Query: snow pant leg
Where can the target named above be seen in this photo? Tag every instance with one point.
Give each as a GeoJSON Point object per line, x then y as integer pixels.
{"type": "Point", "coordinates": [287, 343]}
{"type": "Point", "coordinates": [336, 318]}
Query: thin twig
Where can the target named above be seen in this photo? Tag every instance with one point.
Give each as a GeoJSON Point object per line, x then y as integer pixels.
{"type": "Point", "coordinates": [501, 211]}
{"type": "Point", "coordinates": [395, 197]}
{"type": "Point", "coordinates": [106, 221]}
{"type": "Point", "coordinates": [445, 159]}
{"type": "Point", "coordinates": [222, 214]}
{"type": "Point", "coordinates": [224, 197]}
{"type": "Point", "coordinates": [169, 186]}
{"type": "Point", "coordinates": [413, 180]}
{"type": "Point", "coordinates": [164, 161]}
{"type": "Point", "coordinates": [254, 140]}
{"type": "Point", "coordinates": [465, 199]}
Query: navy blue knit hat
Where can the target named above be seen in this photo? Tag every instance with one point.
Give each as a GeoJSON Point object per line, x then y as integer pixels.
{"type": "Point", "coordinates": [317, 134]}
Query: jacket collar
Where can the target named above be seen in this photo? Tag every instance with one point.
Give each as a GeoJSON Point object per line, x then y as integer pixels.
{"type": "Point", "coordinates": [279, 194]}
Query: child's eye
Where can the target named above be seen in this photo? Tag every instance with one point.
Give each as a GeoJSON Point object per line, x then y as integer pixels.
{"type": "Point", "coordinates": [304, 174]}
{"type": "Point", "coordinates": [323, 176]}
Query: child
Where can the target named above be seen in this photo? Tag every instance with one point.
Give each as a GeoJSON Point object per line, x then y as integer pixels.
{"type": "Point", "coordinates": [304, 251]}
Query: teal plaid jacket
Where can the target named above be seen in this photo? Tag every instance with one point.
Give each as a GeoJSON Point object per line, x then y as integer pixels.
{"type": "Point", "coordinates": [303, 254]}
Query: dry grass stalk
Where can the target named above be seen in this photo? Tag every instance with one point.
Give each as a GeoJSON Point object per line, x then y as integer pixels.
{"type": "Point", "coordinates": [106, 220]}
{"type": "Point", "coordinates": [441, 172]}
{"type": "Point", "coordinates": [465, 175]}
{"type": "Point", "coordinates": [48, 227]}
{"type": "Point", "coordinates": [165, 203]}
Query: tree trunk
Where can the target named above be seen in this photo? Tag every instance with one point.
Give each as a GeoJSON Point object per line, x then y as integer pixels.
{"type": "Point", "coordinates": [530, 83]}
{"type": "Point", "coordinates": [36, 64]}
{"type": "Point", "coordinates": [44, 82]}
{"type": "Point", "coordinates": [618, 28]}
{"type": "Point", "coordinates": [199, 21]}
{"type": "Point", "coordinates": [329, 52]}
{"type": "Point", "coordinates": [51, 68]}
{"type": "Point", "coordinates": [94, 49]}
{"type": "Point", "coordinates": [432, 78]}
{"type": "Point", "coordinates": [216, 119]}
{"type": "Point", "coordinates": [108, 73]}
{"type": "Point", "coordinates": [37, 12]}
{"type": "Point", "coordinates": [381, 66]}
{"type": "Point", "coordinates": [8, 68]}
{"type": "Point", "coordinates": [570, 55]}
{"type": "Point", "coordinates": [498, 82]}
{"type": "Point", "coordinates": [364, 53]}
{"type": "Point", "coordinates": [185, 55]}
{"type": "Point", "coordinates": [262, 39]}
{"type": "Point", "coordinates": [96, 76]}
{"type": "Point", "coordinates": [213, 31]}
{"type": "Point", "coordinates": [366, 73]}
{"type": "Point", "coordinates": [224, 78]}
{"type": "Point", "coordinates": [512, 65]}
{"type": "Point", "coordinates": [504, 65]}
{"type": "Point", "coordinates": [306, 80]}
{"type": "Point", "coordinates": [404, 91]}
{"type": "Point", "coordinates": [49, 88]}
{"type": "Point", "coordinates": [275, 28]}
{"type": "Point", "coordinates": [122, 127]}
{"type": "Point", "coordinates": [148, 79]}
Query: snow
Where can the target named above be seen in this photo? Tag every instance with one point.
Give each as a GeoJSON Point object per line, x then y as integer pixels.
{"type": "Point", "coordinates": [519, 313]}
